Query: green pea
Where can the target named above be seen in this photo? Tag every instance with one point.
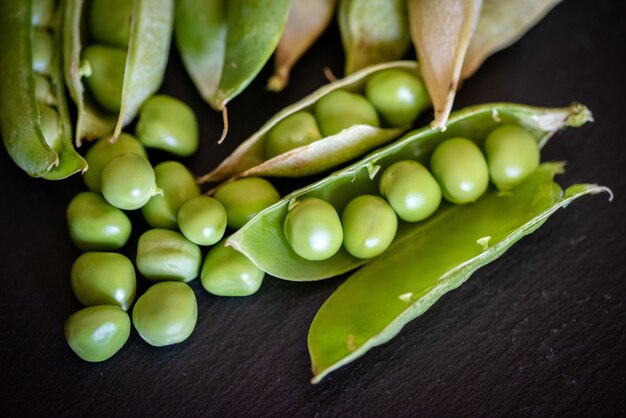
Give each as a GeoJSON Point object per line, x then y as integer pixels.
{"type": "Point", "coordinates": [244, 198]}
{"type": "Point", "coordinates": [96, 333]}
{"type": "Point", "coordinates": [512, 155]}
{"type": "Point", "coordinates": [109, 21]}
{"type": "Point", "coordinates": [178, 186]}
{"type": "Point", "coordinates": [202, 220]}
{"type": "Point", "coordinates": [340, 109]}
{"type": "Point", "coordinates": [43, 48]}
{"type": "Point", "coordinates": [103, 151]}
{"type": "Point", "coordinates": [128, 181]}
{"type": "Point", "coordinates": [411, 190]}
{"type": "Point", "coordinates": [167, 255]}
{"type": "Point", "coordinates": [107, 75]}
{"type": "Point", "coordinates": [369, 226]}
{"type": "Point", "coordinates": [461, 170]}
{"type": "Point", "coordinates": [100, 278]}
{"type": "Point", "coordinates": [227, 272]}
{"type": "Point", "coordinates": [41, 12]}
{"type": "Point", "coordinates": [313, 229]}
{"type": "Point", "coordinates": [43, 90]}
{"type": "Point", "coordinates": [166, 314]}
{"type": "Point", "coordinates": [95, 225]}
{"type": "Point", "coordinates": [398, 96]}
{"type": "Point", "coordinates": [168, 124]}
{"type": "Point", "coordinates": [296, 130]}
{"type": "Point", "coordinates": [49, 122]}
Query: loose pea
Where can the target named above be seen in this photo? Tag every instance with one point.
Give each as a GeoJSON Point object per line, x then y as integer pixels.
{"type": "Point", "coordinates": [109, 21]}
{"type": "Point", "coordinates": [340, 109]}
{"type": "Point", "coordinates": [166, 314]}
{"type": "Point", "coordinates": [292, 132]}
{"type": "Point", "coordinates": [244, 198]}
{"type": "Point", "coordinates": [95, 225]}
{"type": "Point", "coordinates": [128, 181]}
{"type": "Point", "coordinates": [369, 226]}
{"type": "Point", "coordinates": [43, 48]}
{"type": "Point", "coordinates": [411, 190]}
{"type": "Point", "coordinates": [227, 272]}
{"type": "Point", "coordinates": [103, 151]}
{"type": "Point", "coordinates": [96, 333]}
{"type": "Point", "coordinates": [461, 170]}
{"type": "Point", "coordinates": [43, 90]}
{"type": "Point", "coordinates": [202, 220]}
{"type": "Point", "coordinates": [41, 12]}
{"type": "Point", "coordinates": [178, 186]}
{"type": "Point", "coordinates": [107, 75]}
{"type": "Point", "coordinates": [313, 229]}
{"type": "Point", "coordinates": [512, 155]}
{"type": "Point", "coordinates": [398, 96]}
{"type": "Point", "coordinates": [49, 122]}
{"type": "Point", "coordinates": [167, 255]}
{"type": "Point", "coordinates": [101, 278]}
{"type": "Point", "coordinates": [168, 124]}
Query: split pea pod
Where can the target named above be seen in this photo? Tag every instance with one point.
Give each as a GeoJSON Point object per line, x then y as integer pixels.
{"type": "Point", "coordinates": [34, 118]}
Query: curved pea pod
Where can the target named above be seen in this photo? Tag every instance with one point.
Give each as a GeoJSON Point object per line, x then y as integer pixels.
{"type": "Point", "coordinates": [263, 241]}
{"type": "Point", "coordinates": [373, 32]}
{"type": "Point", "coordinates": [438, 256]}
{"type": "Point", "coordinates": [328, 152]}
{"type": "Point", "coordinates": [151, 29]}
{"type": "Point", "coordinates": [23, 119]}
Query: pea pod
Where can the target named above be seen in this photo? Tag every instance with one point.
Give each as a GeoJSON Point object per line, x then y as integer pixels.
{"type": "Point", "coordinates": [250, 158]}
{"type": "Point", "coordinates": [26, 120]}
{"type": "Point", "coordinates": [263, 241]}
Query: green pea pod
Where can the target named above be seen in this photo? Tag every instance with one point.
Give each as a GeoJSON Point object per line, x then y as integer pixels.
{"type": "Point", "coordinates": [148, 50]}
{"type": "Point", "coordinates": [249, 158]}
{"type": "Point", "coordinates": [373, 32]}
{"type": "Point", "coordinates": [224, 44]}
{"type": "Point", "coordinates": [20, 112]}
{"type": "Point", "coordinates": [263, 241]}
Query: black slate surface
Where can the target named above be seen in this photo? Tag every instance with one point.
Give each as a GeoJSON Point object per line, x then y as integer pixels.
{"type": "Point", "coordinates": [539, 332]}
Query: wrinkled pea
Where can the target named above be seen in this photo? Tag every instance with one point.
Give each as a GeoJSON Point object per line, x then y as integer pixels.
{"type": "Point", "coordinates": [166, 313]}
{"type": "Point", "coordinates": [340, 109]}
{"type": "Point", "coordinates": [128, 181]}
{"type": "Point", "coordinates": [167, 255]}
{"type": "Point", "coordinates": [202, 220]}
{"type": "Point", "coordinates": [43, 49]}
{"type": "Point", "coordinates": [244, 198]}
{"type": "Point", "coordinates": [369, 226]}
{"type": "Point", "coordinates": [107, 75]}
{"type": "Point", "coordinates": [227, 272]}
{"type": "Point", "coordinates": [294, 131]}
{"type": "Point", "coordinates": [109, 21]}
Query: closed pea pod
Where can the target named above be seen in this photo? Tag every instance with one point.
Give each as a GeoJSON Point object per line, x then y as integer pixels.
{"type": "Point", "coordinates": [128, 182]}
{"type": "Point", "coordinates": [244, 198]}
{"type": "Point", "coordinates": [167, 255]}
{"type": "Point", "coordinates": [202, 220]}
{"type": "Point", "coordinates": [226, 272]}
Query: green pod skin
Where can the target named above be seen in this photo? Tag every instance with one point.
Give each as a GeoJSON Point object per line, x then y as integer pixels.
{"type": "Point", "coordinates": [294, 131]}
{"type": "Point", "coordinates": [178, 185]}
{"type": "Point", "coordinates": [109, 22]}
{"type": "Point", "coordinates": [512, 156]}
{"type": "Point", "coordinates": [95, 225]}
{"type": "Point", "coordinates": [227, 272]}
{"type": "Point", "coordinates": [202, 220]}
{"type": "Point", "coordinates": [96, 333]}
{"type": "Point", "coordinates": [244, 198]}
{"type": "Point", "coordinates": [107, 75]}
{"type": "Point", "coordinates": [340, 109]}
{"type": "Point", "coordinates": [101, 278]}
{"type": "Point", "coordinates": [167, 255]}
{"type": "Point", "coordinates": [166, 314]}
{"type": "Point", "coordinates": [461, 170]}
{"type": "Point", "coordinates": [128, 182]}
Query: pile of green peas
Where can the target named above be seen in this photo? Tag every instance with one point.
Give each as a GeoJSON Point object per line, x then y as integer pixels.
{"type": "Point", "coordinates": [459, 173]}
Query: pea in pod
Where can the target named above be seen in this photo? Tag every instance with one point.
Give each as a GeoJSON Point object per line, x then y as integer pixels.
{"type": "Point", "coordinates": [328, 152]}
{"type": "Point", "coordinates": [262, 239]}
{"type": "Point", "coordinates": [34, 117]}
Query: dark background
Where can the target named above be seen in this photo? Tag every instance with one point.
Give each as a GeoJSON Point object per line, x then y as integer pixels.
{"type": "Point", "coordinates": [539, 332]}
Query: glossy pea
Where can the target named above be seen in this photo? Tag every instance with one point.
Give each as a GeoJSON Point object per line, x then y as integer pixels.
{"type": "Point", "coordinates": [95, 225]}
{"type": "Point", "coordinates": [244, 198]}
{"type": "Point", "coordinates": [369, 226]}
{"type": "Point", "coordinates": [168, 124]}
{"type": "Point", "coordinates": [340, 109]}
{"type": "Point", "coordinates": [461, 170]}
{"type": "Point", "coordinates": [43, 49]}
{"type": "Point", "coordinates": [202, 220]}
{"type": "Point", "coordinates": [109, 21]}
{"type": "Point", "coordinates": [49, 122]}
{"type": "Point", "coordinates": [167, 255]}
{"type": "Point", "coordinates": [512, 156]}
{"type": "Point", "coordinates": [103, 278]}
{"type": "Point", "coordinates": [41, 12]}
{"type": "Point", "coordinates": [313, 229]}
{"type": "Point", "coordinates": [294, 131]}
{"type": "Point", "coordinates": [96, 333]}
{"type": "Point", "coordinates": [411, 190]}
{"type": "Point", "coordinates": [398, 96]}
{"type": "Point", "coordinates": [128, 181]}
{"type": "Point", "coordinates": [43, 90]}
{"type": "Point", "coordinates": [107, 75]}
{"type": "Point", "coordinates": [227, 272]}
{"type": "Point", "coordinates": [166, 313]}
{"type": "Point", "coordinates": [178, 185]}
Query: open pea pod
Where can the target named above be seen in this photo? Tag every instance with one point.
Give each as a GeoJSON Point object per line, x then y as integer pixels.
{"type": "Point", "coordinates": [151, 27]}
{"type": "Point", "coordinates": [249, 157]}
{"type": "Point", "coordinates": [34, 118]}
{"type": "Point", "coordinates": [263, 241]}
